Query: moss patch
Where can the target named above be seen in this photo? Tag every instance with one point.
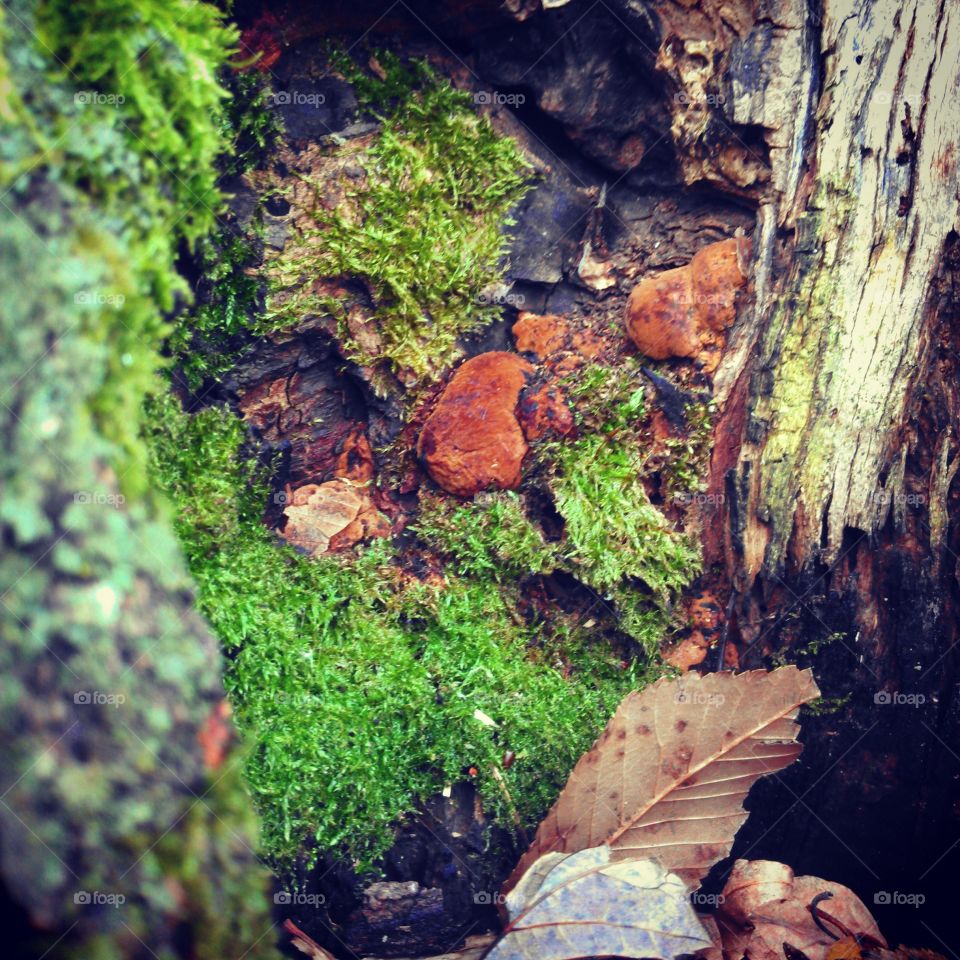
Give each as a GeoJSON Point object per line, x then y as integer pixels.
{"type": "Point", "coordinates": [356, 683]}
{"type": "Point", "coordinates": [617, 541]}
{"type": "Point", "coordinates": [208, 338]}
{"type": "Point", "coordinates": [491, 536]}
{"type": "Point", "coordinates": [424, 229]}
{"type": "Point", "coordinates": [126, 121]}
{"type": "Point", "coordinates": [608, 400]}
{"type": "Point", "coordinates": [686, 465]}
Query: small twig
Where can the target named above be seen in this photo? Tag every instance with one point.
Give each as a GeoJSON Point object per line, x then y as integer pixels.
{"type": "Point", "coordinates": [306, 944]}
{"type": "Point", "coordinates": [816, 914]}
{"type": "Point", "coordinates": [862, 939]}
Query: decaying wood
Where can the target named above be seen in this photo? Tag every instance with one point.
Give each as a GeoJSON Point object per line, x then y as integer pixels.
{"type": "Point", "coordinates": [828, 355]}
{"type": "Point", "coordinates": [835, 451]}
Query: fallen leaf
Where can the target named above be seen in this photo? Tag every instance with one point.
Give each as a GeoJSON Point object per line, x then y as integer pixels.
{"type": "Point", "coordinates": [753, 883]}
{"type": "Point", "coordinates": [844, 905]}
{"type": "Point", "coordinates": [316, 513]}
{"type": "Point", "coordinates": [329, 515]}
{"type": "Point", "coordinates": [734, 938]}
{"type": "Point", "coordinates": [757, 927]}
{"type": "Point", "coordinates": [846, 948]}
{"type": "Point", "coordinates": [910, 953]}
{"type": "Point", "coordinates": [484, 718]}
{"type": "Point", "coordinates": [306, 944]}
{"type": "Point", "coordinates": [584, 904]}
{"type": "Point", "coordinates": [715, 950]}
{"type": "Point", "coordinates": [668, 776]}
{"type": "Point", "coordinates": [594, 271]}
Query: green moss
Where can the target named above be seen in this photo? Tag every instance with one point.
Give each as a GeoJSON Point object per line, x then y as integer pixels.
{"type": "Point", "coordinates": [616, 541]}
{"type": "Point", "coordinates": [614, 532]}
{"type": "Point", "coordinates": [826, 706]}
{"type": "Point", "coordinates": [208, 339]}
{"type": "Point", "coordinates": [247, 122]}
{"type": "Point", "coordinates": [126, 120]}
{"type": "Point", "coordinates": [637, 562]}
{"type": "Point", "coordinates": [685, 467]}
{"type": "Point", "coordinates": [608, 400]}
{"type": "Point", "coordinates": [803, 653]}
{"type": "Point", "coordinates": [356, 684]}
{"type": "Point", "coordinates": [151, 70]}
{"type": "Point", "coordinates": [490, 537]}
{"type": "Point", "coordinates": [425, 229]}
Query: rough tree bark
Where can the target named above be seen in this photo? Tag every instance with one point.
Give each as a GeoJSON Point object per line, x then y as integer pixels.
{"type": "Point", "coordinates": [836, 448]}
{"type": "Point", "coordinates": [125, 828]}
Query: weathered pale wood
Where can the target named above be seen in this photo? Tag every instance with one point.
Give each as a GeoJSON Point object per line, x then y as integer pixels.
{"type": "Point", "coordinates": [836, 452]}
{"type": "Point", "coordinates": [835, 333]}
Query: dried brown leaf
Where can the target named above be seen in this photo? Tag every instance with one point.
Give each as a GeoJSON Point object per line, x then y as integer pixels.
{"type": "Point", "coordinates": [764, 906]}
{"type": "Point", "coordinates": [753, 883]}
{"type": "Point", "coordinates": [668, 776]}
{"type": "Point", "coordinates": [715, 950]}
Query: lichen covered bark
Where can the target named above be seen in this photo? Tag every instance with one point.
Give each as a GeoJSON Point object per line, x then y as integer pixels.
{"type": "Point", "coordinates": [125, 830]}
{"type": "Point", "coordinates": [835, 454]}
{"type": "Point", "coordinates": [843, 311]}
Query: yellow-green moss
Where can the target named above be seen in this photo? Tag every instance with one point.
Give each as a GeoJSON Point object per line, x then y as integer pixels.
{"type": "Point", "coordinates": [491, 536]}
{"type": "Point", "coordinates": [615, 540]}
{"type": "Point", "coordinates": [425, 231]}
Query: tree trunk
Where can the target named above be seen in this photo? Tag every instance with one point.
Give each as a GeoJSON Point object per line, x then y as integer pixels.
{"type": "Point", "coordinates": [836, 450]}
{"type": "Point", "coordinates": [125, 828]}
